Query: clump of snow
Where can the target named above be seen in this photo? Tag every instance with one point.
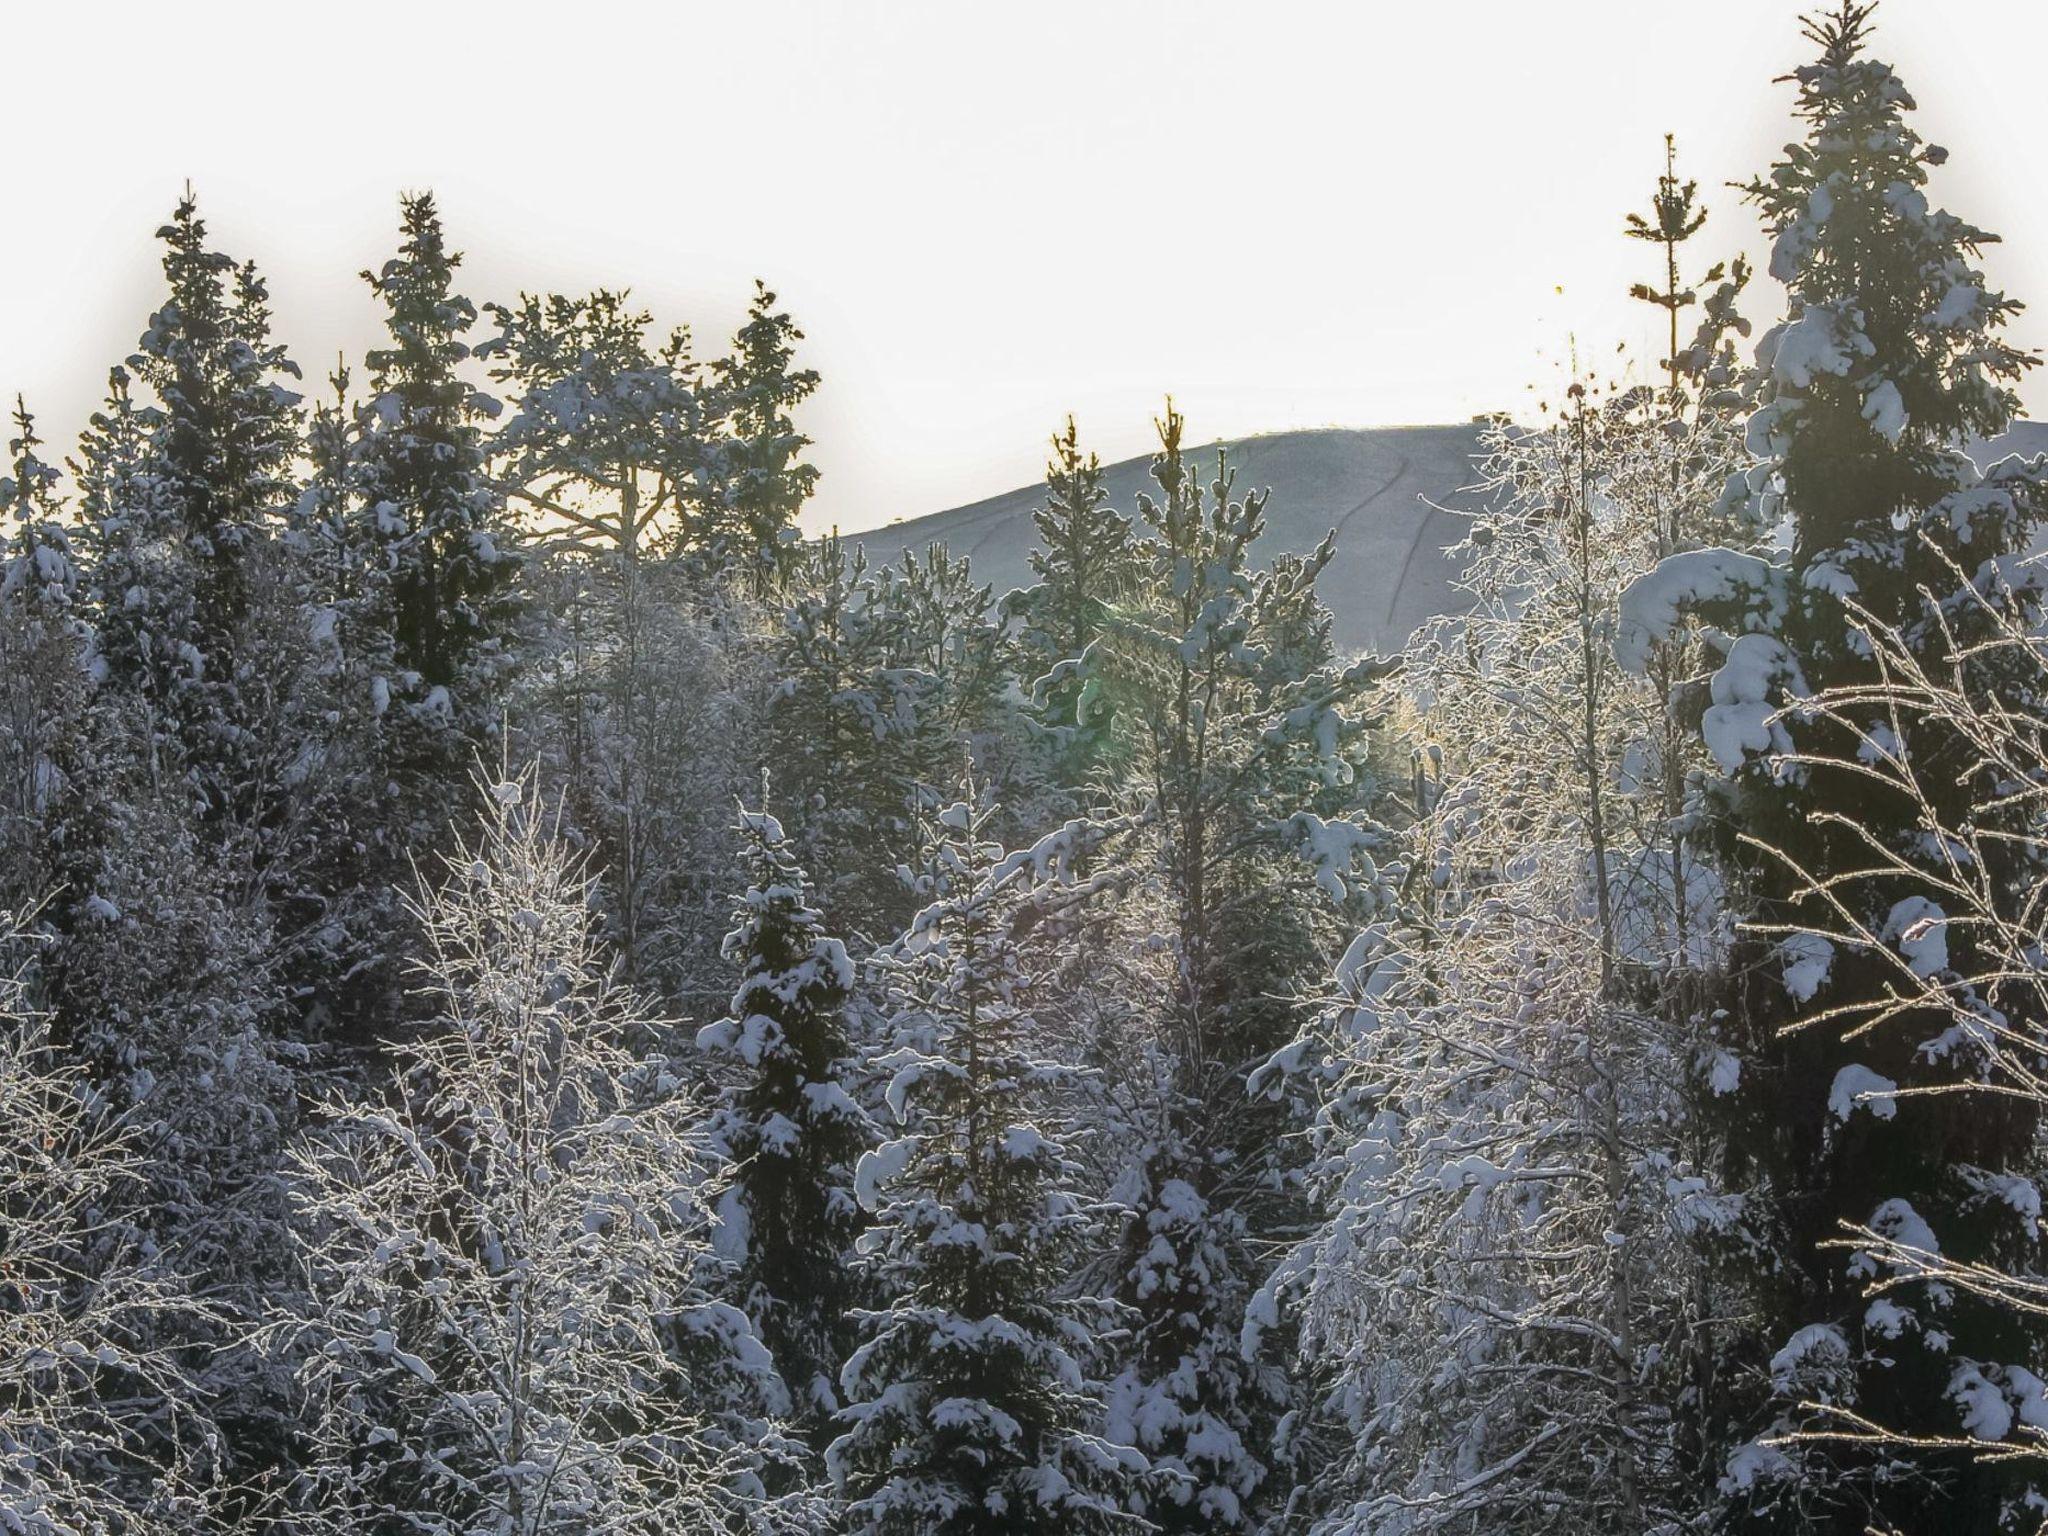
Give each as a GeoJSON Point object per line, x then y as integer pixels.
{"type": "Point", "coordinates": [881, 1166]}
{"type": "Point", "coordinates": [1885, 410]}
{"type": "Point", "coordinates": [1856, 1085]}
{"type": "Point", "coordinates": [1652, 604]}
{"type": "Point", "coordinates": [1821, 341]}
{"type": "Point", "coordinates": [1808, 958]}
{"type": "Point", "coordinates": [1919, 929]}
{"type": "Point", "coordinates": [1817, 1344]}
{"type": "Point", "coordinates": [1886, 1318]}
{"type": "Point", "coordinates": [1742, 719]}
{"type": "Point", "coordinates": [1986, 1413]}
{"type": "Point", "coordinates": [1752, 1464]}
{"type": "Point", "coordinates": [1913, 1240]}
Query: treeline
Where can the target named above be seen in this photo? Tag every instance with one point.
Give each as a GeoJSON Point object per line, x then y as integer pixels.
{"type": "Point", "coordinates": [540, 1001]}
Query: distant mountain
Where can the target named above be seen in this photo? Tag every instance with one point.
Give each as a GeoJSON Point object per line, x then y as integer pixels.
{"type": "Point", "coordinates": [1394, 495]}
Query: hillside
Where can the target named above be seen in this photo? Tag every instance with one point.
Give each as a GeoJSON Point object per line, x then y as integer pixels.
{"type": "Point", "coordinates": [1390, 492]}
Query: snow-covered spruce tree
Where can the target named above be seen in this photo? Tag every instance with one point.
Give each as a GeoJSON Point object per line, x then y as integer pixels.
{"type": "Point", "coordinates": [1891, 362]}
{"type": "Point", "coordinates": [424, 599]}
{"type": "Point", "coordinates": [98, 1435]}
{"type": "Point", "coordinates": [2000, 1003]}
{"type": "Point", "coordinates": [1247, 750]}
{"type": "Point", "coordinates": [789, 1123]}
{"type": "Point", "coordinates": [754, 480]}
{"type": "Point", "coordinates": [970, 1407]}
{"type": "Point", "coordinates": [946, 671]}
{"type": "Point", "coordinates": [197, 544]}
{"type": "Point", "coordinates": [177, 842]}
{"type": "Point", "coordinates": [854, 739]}
{"type": "Point", "coordinates": [441, 537]}
{"type": "Point", "coordinates": [513, 1324]}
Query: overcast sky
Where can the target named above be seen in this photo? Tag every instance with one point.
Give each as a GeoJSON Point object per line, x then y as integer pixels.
{"type": "Point", "coordinates": [983, 215]}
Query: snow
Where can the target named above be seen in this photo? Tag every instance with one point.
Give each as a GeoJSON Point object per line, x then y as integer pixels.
{"type": "Point", "coordinates": [1653, 603]}
{"type": "Point", "coordinates": [1808, 958]}
{"type": "Point", "coordinates": [1819, 342]}
{"type": "Point", "coordinates": [1985, 1412]}
{"type": "Point", "coordinates": [1754, 1463]}
{"type": "Point", "coordinates": [1742, 720]}
{"type": "Point", "coordinates": [1337, 851]}
{"type": "Point", "coordinates": [1816, 1344]}
{"type": "Point", "coordinates": [1897, 1222]}
{"type": "Point", "coordinates": [1957, 307]}
{"type": "Point", "coordinates": [1856, 1086]}
{"type": "Point", "coordinates": [1886, 1318]}
{"type": "Point", "coordinates": [880, 1167]}
{"type": "Point", "coordinates": [1885, 410]}
{"type": "Point", "coordinates": [1919, 929]}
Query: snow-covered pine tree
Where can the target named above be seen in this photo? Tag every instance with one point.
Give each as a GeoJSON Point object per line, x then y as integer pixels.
{"type": "Point", "coordinates": [513, 1321]}
{"type": "Point", "coordinates": [755, 481]}
{"type": "Point", "coordinates": [606, 433]}
{"type": "Point", "coordinates": [790, 1123]}
{"type": "Point", "coordinates": [1247, 754]}
{"type": "Point", "coordinates": [650, 678]}
{"type": "Point", "coordinates": [1086, 562]}
{"type": "Point", "coordinates": [971, 1408]}
{"type": "Point", "coordinates": [1891, 363]}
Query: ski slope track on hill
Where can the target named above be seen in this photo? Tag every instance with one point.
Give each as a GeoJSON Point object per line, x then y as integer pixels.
{"type": "Point", "coordinates": [1395, 495]}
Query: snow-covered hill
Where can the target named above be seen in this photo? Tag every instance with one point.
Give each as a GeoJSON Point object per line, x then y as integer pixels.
{"type": "Point", "coordinates": [1384, 489]}
{"type": "Point", "coordinates": [1392, 494]}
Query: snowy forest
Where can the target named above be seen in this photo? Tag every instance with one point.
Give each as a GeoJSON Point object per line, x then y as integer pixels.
{"type": "Point", "coordinates": [537, 1001]}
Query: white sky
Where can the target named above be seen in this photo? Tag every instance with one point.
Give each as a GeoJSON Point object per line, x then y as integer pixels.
{"type": "Point", "coordinates": [983, 216]}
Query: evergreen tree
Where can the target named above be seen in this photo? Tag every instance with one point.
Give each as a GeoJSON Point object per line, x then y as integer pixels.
{"type": "Point", "coordinates": [184, 498]}
{"type": "Point", "coordinates": [1891, 361]}
{"type": "Point", "coordinates": [440, 532]}
{"type": "Point", "coordinates": [850, 734]}
{"type": "Point", "coordinates": [1086, 564]}
{"type": "Point", "coordinates": [224, 444]}
{"type": "Point", "coordinates": [607, 433]}
{"type": "Point", "coordinates": [755, 482]}
{"type": "Point", "coordinates": [43, 655]}
{"type": "Point", "coordinates": [790, 1125]}
{"type": "Point", "coordinates": [1248, 751]}
{"type": "Point", "coordinates": [970, 1410]}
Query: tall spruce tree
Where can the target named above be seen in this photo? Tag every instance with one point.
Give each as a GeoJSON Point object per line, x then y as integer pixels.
{"type": "Point", "coordinates": [189, 492]}
{"type": "Point", "coordinates": [790, 1123]}
{"type": "Point", "coordinates": [970, 1409]}
{"type": "Point", "coordinates": [1891, 361]}
{"type": "Point", "coordinates": [441, 534]}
